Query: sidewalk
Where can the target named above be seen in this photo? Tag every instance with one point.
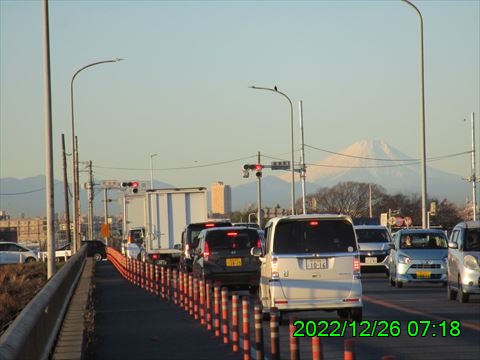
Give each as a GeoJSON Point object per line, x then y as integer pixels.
{"type": "Point", "coordinates": [131, 323]}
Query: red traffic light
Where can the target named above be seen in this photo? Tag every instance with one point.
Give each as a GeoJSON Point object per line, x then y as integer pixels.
{"type": "Point", "coordinates": [134, 184]}
{"type": "Point", "coordinates": [258, 167]}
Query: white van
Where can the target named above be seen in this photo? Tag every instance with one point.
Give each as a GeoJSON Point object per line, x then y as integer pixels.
{"type": "Point", "coordinates": [311, 262]}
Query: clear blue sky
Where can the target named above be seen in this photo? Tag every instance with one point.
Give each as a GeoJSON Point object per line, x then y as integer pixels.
{"type": "Point", "coordinates": [182, 90]}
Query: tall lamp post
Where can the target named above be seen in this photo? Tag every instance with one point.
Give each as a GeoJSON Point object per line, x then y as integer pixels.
{"type": "Point", "coordinates": [275, 90]}
{"type": "Point", "coordinates": [422, 122]}
{"type": "Point", "coordinates": [76, 191]}
{"type": "Point", "coordinates": [151, 169]}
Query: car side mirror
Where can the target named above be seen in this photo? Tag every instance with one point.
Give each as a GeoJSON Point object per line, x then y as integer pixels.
{"type": "Point", "coordinates": [452, 245]}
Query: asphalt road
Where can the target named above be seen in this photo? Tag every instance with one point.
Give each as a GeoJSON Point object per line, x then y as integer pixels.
{"type": "Point", "coordinates": [131, 323]}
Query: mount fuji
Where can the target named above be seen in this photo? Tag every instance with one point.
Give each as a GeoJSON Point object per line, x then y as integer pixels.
{"type": "Point", "coordinates": [367, 161]}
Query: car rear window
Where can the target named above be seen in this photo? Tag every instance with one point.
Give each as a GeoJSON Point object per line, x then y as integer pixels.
{"type": "Point", "coordinates": [194, 229]}
{"type": "Point", "coordinates": [372, 235]}
{"type": "Point", "coordinates": [232, 239]}
{"type": "Point", "coordinates": [314, 236]}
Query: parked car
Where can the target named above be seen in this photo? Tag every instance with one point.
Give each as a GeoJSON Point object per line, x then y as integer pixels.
{"type": "Point", "coordinates": [63, 253]}
{"type": "Point", "coordinates": [374, 245]}
{"type": "Point", "coordinates": [13, 253]}
{"type": "Point", "coordinates": [418, 255]}
{"type": "Point", "coordinates": [189, 240]}
{"type": "Point", "coordinates": [311, 262]}
{"type": "Point", "coordinates": [96, 249]}
{"type": "Point", "coordinates": [463, 269]}
{"type": "Point", "coordinates": [223, 256]}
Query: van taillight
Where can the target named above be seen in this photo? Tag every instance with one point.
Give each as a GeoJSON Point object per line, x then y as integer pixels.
{"type": "Point", "coordinates": [155, 256]}
{"type": "Point", "coordinates": [313, 223]}
{"type": "Point", "coordinates": [356, 264]}
{"type": "Point", "coordinates": [187, 248]}
{"type": "Point", "coordinates": [259, 244]}
{"type": "Point", "coordinates": [206, 252]}
{"type": "Point", "coordinates": [130, 239]}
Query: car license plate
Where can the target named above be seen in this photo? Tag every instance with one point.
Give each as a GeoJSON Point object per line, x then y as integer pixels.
{"type": "Point", "coordinates": [423, 274]}
{"type": "Point", "coordinates": [313, 264]}
{"type": "Point", "coordinates": [234, 262]}
{"type": "Point", "coordinates": [370, 260]}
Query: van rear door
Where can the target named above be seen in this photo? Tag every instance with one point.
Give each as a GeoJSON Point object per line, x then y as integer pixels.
{"type": "Point", "coordinates": [315, 258]}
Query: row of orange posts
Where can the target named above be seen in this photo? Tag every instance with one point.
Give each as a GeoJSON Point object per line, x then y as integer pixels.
{"type": "Point", "coordinates": [209, 305]}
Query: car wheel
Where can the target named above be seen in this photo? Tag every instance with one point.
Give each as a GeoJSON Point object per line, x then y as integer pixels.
{"type": "Point", "coordinates": [392, 282]}
{"type": "Point", "coordinates": [462, 297]}
{"type": "Point", "coordinates": [399, 284]}
{"type": "Point", "coordinates": [30, 260]}
{"type": "Point", "coordinates": [97, 257]}
{"type": "Point", "coordinates": [451, 293]}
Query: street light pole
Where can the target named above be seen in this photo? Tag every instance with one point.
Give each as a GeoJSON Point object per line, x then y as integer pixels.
{"type": "Point", "coordinates": [151, 169]}
{"type": "Point", "coordinates": [75, 177]}
{"type": "Point", "coordinates": [422, 121]}
{"type": "Point", "coordinates": [275, 90]}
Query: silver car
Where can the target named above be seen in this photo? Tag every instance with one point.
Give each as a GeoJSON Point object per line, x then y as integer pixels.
{"type": "Point", "coordinates": [418, 255]}
{"type": "Point", "coordinates": [463, 270]}
{"type": "Point", "coordinates": [13, 253]}
{"type": "Point", "coordinates": [374, 245]}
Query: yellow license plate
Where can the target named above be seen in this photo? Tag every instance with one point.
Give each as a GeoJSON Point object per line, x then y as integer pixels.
{"type": "Point", "coordinates": [234, 262]}
{"type": "Point", "coordinates": [423, 274]}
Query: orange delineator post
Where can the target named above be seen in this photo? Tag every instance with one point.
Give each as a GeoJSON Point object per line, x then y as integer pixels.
{"type": "Point", "coordinates": [294, 344]}
{"type": "Point", "coordinates": [216, 310]}
{"type": "Point", "coordinates": [201, 301]}
{"type": "Point", "coordinates": [157, 280]}
{"type": "Point", "coordinates": [180, 288]}
{"type": "Point", "coordinates": [190, 294]}
{"type": "Point", "coordinates": [259, 347]}
{"type": "Point", "coordinates": [349, 350]}
{"type": "Point", "coordinates": [169, 284]}
{"type": "Point", "coordinates": [175, 286]}
{"type": "Point", "coordinates": [208, 301]}
{"type": "Point", "coordinates": [274, 334]}
{"type": "Point", "coordinates": [235, 337]}
{"type": "Point", "coordinates": [317, 350]}
{"type": "Point", "coordinates": [246, 328]}
{"type": "Point", "coordinates": [162, 281]}
{"type": "Point", "coordinates": [195, 298]}
{"type": "Point", "coordinates": [225, 315]}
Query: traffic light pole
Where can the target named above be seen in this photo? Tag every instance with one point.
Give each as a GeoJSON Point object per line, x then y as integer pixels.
{"type": "Point", "coordinates": [259, 195]}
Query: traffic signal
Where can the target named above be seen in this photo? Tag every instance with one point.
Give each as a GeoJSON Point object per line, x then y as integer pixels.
{"type": "Point", "coordinates": [133, 185]}
{"type": "Point", "coordinates": [258, 170]}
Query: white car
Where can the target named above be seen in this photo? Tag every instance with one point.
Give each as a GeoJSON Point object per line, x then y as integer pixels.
{"type": "Point", "coordinates": [463, 267]}
{"type": "Point", "coordinates": [374, 243]}
{"type": "Point", "coordinates": [13, 253]}
{"type": "Point", "coordinates": [311, 262]}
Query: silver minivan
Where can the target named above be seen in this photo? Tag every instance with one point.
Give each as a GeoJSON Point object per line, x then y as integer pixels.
{"type": "Point", "coordinates": [463, 267]}
{"type": "Point", "coordinates": [311, 262]}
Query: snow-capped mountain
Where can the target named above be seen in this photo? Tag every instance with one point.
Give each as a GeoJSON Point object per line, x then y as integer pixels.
{"type": "Point", "coordinates": [377, 162]}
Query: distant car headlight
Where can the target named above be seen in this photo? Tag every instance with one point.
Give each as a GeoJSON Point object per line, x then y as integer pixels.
{"type": "Point", "coordinates": [402, 259]}
{"type": "Point", "coordinates": [471, 262]}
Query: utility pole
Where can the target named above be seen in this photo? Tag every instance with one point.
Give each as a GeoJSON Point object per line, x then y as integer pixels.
{"type": "Point", "coordinates": [473, 177]}
{"type": "Point", "coordinates": [259, 194]}
{"type": "Point", "coordinates": [90, 200]}
{"type": "Point", "coordinates": [302, 160]}
{"type": "Point", "coordinates": [65, 187]}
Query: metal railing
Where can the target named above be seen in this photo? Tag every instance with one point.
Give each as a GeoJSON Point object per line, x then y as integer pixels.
{"type": "Point", "coordinates": [33, 333]}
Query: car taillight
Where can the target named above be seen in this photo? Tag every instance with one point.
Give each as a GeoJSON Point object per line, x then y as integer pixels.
{"type": "Point", "coordinates": [155, 256]}
{"type": "Point", "coordinates": [206, 251]}
{"type": "Point", "coordinates": [187, 248]}
{"type": "Point", "coordinates": [130, 239]}
{"type": "Point", "coordinates": [259, 244]}
{"type": "Point", "coordinates": [356, 264]}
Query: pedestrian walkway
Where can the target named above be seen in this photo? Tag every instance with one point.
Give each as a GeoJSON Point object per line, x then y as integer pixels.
{"type": "Point", "coordinates": [131, 323]}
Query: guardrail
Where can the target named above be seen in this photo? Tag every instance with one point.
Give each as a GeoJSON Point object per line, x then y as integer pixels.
{"type": "Point", "coordinates": [33, 333]}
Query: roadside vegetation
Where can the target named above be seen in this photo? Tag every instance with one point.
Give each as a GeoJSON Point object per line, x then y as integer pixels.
{"type": "Point", "coordinates": [19, 283]}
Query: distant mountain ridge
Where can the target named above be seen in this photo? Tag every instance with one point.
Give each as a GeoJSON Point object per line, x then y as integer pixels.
{"type": "Point", "coordinates": [368, 161]}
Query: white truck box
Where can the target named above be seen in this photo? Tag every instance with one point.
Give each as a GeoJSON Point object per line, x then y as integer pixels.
{"type": "Point", "coordinates": [167, 212]}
